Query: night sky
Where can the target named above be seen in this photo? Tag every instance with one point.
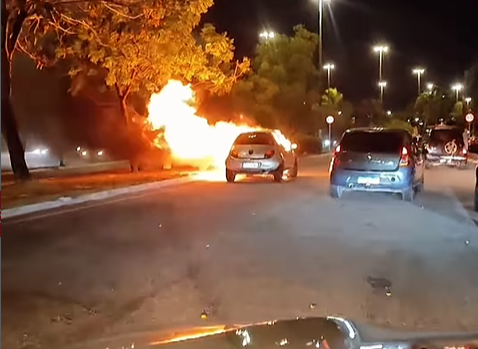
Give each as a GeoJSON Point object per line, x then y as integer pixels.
{"type": "Point", "coordinates": [438, 35]}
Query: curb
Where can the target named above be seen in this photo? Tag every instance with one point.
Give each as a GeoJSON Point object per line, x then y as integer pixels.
{"type": "Point", "coordinates": [98, 196]}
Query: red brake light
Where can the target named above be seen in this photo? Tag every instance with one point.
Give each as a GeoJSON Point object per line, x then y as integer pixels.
{"type": "Point", "coordinates": [269, 154]}
{"type": "Point", "coordinates": [404, 158]}
{"type": "Point", "coordinates": [464, 151]}
{"type": "Point", "coordinates": [234, 154]}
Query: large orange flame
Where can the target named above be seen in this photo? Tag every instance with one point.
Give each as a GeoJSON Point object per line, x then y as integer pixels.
{"type": "Point", "coordinates": [190, 137]}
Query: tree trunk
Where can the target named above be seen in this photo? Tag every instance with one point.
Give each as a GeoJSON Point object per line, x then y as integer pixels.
{"type": "Point", "coordinates": [124, 112]}
{"type": "Point", "coordinates": [9, 123]}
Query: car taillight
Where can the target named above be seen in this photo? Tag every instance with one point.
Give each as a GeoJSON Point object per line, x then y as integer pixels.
{"type": "Point", "coordinates": [234, 154]}
{"type": "Point", "coordinates": [404, 158]}
{"type": "Point", "coordinates": [464, 151]}
{"type": "Point", "coordinates": [335, 158]}
{"type": "Point", "coordinates": [269, 154]}
{"type": "Point", "coordinates": [337, 150]}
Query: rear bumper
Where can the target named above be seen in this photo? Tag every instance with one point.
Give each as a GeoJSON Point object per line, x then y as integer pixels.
{"type": "Point", "coordinates": [389, 182]}
{"type": "Point", "coordinates": [438, 160]}
{"type": "Point", "coordinates": [263, 166]}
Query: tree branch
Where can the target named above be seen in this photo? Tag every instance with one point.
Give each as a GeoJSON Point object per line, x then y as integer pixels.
{"type": "Point", "coordinates": [120, 13]}
{"type": "Point", "coordinates": [13, 29]}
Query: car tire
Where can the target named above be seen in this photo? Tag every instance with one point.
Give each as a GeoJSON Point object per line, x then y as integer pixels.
{"type": "Point", "coordinates": [230, 176]}
{"type": "Point", "coordinates": [420, 186]}
{"type": "Point", "coordinates": [294, 170]}
{"type": "Point", "coordinates": [278, 174]}
{"type": "Point", "coordinates": [408, 195]}
{"type": "Point", "coordinates": [336, 191]}
{"type": "Point", "coordinates": [476, 200]}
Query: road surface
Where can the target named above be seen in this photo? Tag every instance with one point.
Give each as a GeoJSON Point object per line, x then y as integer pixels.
{"type": "Point", "coordinates": [242, 252]}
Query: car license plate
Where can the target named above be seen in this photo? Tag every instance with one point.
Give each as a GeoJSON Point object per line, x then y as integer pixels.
{"type": "Point", "coordinates": [368, 180]}
{"type": "Point", "coordinates": [250, 165]}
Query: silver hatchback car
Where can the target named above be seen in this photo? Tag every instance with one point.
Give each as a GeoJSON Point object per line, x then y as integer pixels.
{"type": "Point", "coordinates": [259, 153]}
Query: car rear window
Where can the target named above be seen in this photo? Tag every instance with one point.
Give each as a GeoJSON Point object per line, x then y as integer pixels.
{"type": "Point", "coordinates": [445, 136]}
{"type": "Point", "coordinates": [378, 142]}
{"type": "Point", "coordinates": [255, 138]}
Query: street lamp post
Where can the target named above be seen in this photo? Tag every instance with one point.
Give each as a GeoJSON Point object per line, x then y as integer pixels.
{"type": "Point", "coordinates": [329, 67]}
{"type": "Point", "coordinates": [381, 50]}
{"type": "Point", "coordinates": [321, 19]}
{"type": "Point", "coordinates": [457, 88]}
{"type": "Point", "coordinates": [330, 120]}
{"type": "Point", "coordinates": [419, 72]}
{"type": "Point", "coordinates": [382, 85]}
{"type": "Point", "coordinates": [468, 101]}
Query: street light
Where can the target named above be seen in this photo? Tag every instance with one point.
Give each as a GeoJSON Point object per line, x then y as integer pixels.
{"type": "Point", "coordinates": [457, 88]}
{"type": "Point", "coordinates": [430, 87]}
{"type": "Point", "coordinates": [329, 67]}
{"type": "Point", "coordinates": [382, 85]}
{"type": "Point", "coordinates": [321, 18]}
{"type": "Point", "coordinates": [381, 50]}
{"type": "Point", "coordinates": [468, 101]}
{"type": "Point", "coordinates": [419, 72]}
{"type": "Point", "coordinates": [330, 120]}
{"type": "Point", "coordinates": [267, 35]}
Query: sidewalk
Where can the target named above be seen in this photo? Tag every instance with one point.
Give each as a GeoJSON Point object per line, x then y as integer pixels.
{"type": "Point", "coordinates": [111, 166]}
{"type": "Point", "coordinates": [74, 185]}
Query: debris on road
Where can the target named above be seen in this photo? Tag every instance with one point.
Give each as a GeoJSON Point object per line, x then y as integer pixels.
{"type": "Point", "coordinates": [381, 283]}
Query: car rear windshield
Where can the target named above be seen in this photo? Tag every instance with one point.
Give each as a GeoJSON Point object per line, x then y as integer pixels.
{"type": "Point", "coordinates": [445, 136]}
{"type": "Point", "coordinates": [372, 142]}
{"type": "Point", "coordinates": [255, 138]}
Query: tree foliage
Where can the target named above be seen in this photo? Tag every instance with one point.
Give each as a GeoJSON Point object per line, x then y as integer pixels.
{"type": "Point", "coordinates": [281, 90]}
{"type": "Point", "coordinates": [471, 84]}
{"type": "Point", "coordinates": [433, 106]}
{"type": "Point", "coordinates": [369, 112]}
{"type": "Point", "coordinates": [142, 48]}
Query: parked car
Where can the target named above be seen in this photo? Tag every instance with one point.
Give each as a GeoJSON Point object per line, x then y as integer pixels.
{"type": "Point", "coordinates": [260, 153]}
{"type": "Point", "coordinates": [446, 146]}
{"type": "Point", "coordinates": [377, 160]}
{"type": "Point", "coordinates": [476, 190]}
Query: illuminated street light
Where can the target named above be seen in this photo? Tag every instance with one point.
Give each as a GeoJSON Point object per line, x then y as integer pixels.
{"type": "Point", "coordinates": [419, 72]}
{"type": "Point", "coordinates": [430, 87]}
{"type": "Point", "coordinates": [382, 85]}
{"type": "Point", "coordinates": [457, 88]}
{"type": "Point", "coordinates": [329, 67]}
{"type": "Point", "coordinates": [321, 19]}
{"type": "Point", "coordinates": [381, 50]}
{"type": "Point", "coordinates": [389, 112]}
{"type": "Point", "coordinates": [267, 35]}
{"type": "Point", "coordinates": [468, 101]}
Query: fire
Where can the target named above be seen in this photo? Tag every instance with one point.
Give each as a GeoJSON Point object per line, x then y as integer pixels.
{"type": "Point", "coordinates": [190, 138]}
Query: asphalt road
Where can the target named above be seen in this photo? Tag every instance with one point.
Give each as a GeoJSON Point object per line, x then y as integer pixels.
{"type": "Point", "coordinates": [243, 252]}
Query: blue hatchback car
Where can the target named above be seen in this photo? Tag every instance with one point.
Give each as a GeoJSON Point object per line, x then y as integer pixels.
{"type": "Point", "coordinates": [476, 190]}
{"type": "Point", "coordinates": [377, 160]}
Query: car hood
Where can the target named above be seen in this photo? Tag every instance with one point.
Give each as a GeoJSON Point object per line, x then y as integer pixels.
{"type": "Point", "coordinates": [299, 332]}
